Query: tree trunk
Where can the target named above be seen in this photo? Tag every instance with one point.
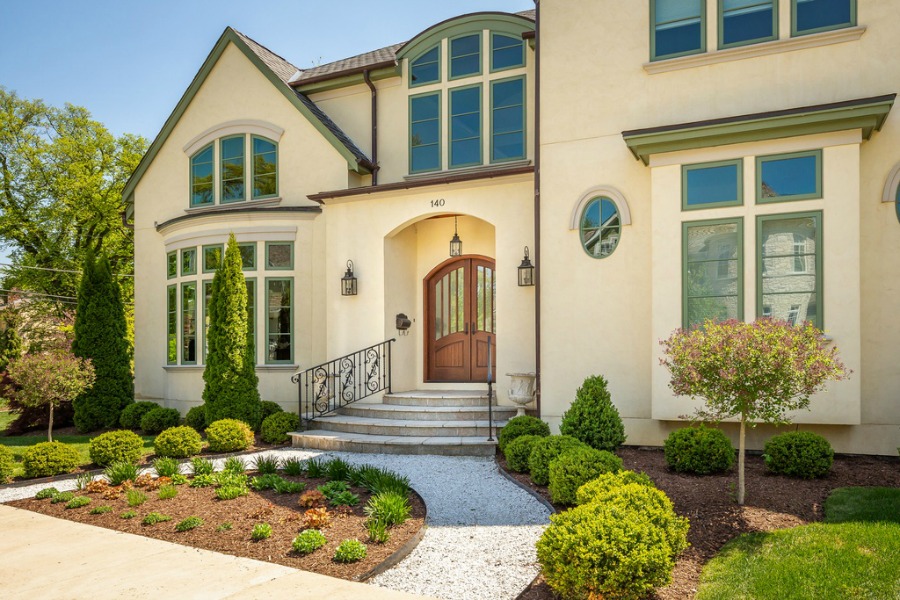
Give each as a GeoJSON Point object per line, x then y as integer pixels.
{"type": "Point", "coordinates": [50, 425]}
{"type": "Point", "coordinates": [740, 493]}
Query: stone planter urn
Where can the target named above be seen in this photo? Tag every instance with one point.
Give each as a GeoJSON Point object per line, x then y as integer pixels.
{"type": "Point", "coordinates": [521, 391]}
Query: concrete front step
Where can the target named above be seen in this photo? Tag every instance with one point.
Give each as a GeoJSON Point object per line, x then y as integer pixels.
{"type": "Point", "coordinates": [428, 413]}
{"type": "Point", "coordinates": [409, 428]}
{"type": "Point", "coordinates": [437, 398]}
{"type": "Point", "coordinates": [385, 444]}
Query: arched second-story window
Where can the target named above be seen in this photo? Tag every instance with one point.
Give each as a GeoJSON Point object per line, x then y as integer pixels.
{"type": "Point", "coordinates": [202, 177]}
{"type": "Point", "coordinates": [426, 68]}
{"type": "Point", "coordinates": [265, 168]}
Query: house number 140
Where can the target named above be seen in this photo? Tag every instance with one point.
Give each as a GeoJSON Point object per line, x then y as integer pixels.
{"type": "Point", "coordinates": [437, 203]}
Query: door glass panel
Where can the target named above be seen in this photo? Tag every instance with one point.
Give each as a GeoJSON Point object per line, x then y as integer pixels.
{"type": "Point", "coordinates": [489, 300]}
{"type": "Point", "coordinates": [445, 305]}
{"type": "Point", "coordinates": [461, 298]}
{"type": "Point", "coordinates": [454, 324]}
{"type": "Point", "coordinates": [479, 302]}
{"type": "Point", "coordinates": [437, 311]}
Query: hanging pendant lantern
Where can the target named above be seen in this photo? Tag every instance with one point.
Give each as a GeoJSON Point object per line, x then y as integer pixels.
{"type": "Point", "coordinates": [455, 243]}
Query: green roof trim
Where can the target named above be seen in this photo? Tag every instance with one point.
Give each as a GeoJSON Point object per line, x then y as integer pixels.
{"type": "Point", "coordinates": [495, 21]}
{"type": "Point", "coordinates": [230, 36]}
{"type": "Point", "coordinates": [329, 83]}
{"type": "Point", "coordinates": [867, 114]}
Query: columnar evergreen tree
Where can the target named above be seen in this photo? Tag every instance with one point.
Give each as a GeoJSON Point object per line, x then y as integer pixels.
{"type": "Point", "coordinates": [10, 342]}
{"type": "Point", "coordinates": [101, 335]}
{"type": "Point", "coordinates": [231, 390]}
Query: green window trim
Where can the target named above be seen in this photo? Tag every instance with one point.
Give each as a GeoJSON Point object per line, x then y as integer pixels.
{"type": "Point", "coordinates": [738, 222]}
{"type": "Point", "coordinates": [761, 160]}
{"type": "Point", "coordinates": [251, 313]}
{"type": "Point", "coordinates": [189, 331]}
{"type": "Point", "coordinates": [818, 262]}
{"type": "Point", "coordinates": [289, 267]}
{"type": "Point", "coordinates": [612, 225]}
{"type": "Point", "coordinates": [479, 53]}
{"type": "Point", "coordinates": [189, 261]}
{"type": "Point", "coordinates": [206, 286]}
{"type": "Point", "coordinates": [495, 47]}
{"type": "Point", "coordinates": [439, 142]}
{"type": "Point", "coordinates": [223, 160]}
{"type": "Point", "coordinates": [171, 265]}
{"type": "Point", "coordinates": [209, 253]}
{"type": "Point", "coordinates": [480, 137]}
{"type": "Point", "coordinates": [269, 335]}
{"type": "Point", "coordinates": [437, 61]}
{"type": "Point", "coordinates": [254, 176]}
{"type": "Point", "coordinates": [768, 38]}
{"type": "Point", "coordinates": [248, 264]}
{"type": "Point", "coordinates": [524, 120]}
{"type": "Point", "coordinates": [686, 169]}
{"type": "Point", "coordinates": [700, 50]}
{"type": "Point", "coordinates": [172, 324]}
{"type": "Point", "coordinates": [796, 32]}
{"type": "Point", "coordinates": [193, 164]}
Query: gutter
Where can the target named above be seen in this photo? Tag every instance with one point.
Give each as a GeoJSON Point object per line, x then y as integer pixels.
{"type": "Point", "coordinates": [371, 85]}
{"type": "Point", "coordinates": [537, 206]}
{"type": "Point", "coordinates": [354, 71]}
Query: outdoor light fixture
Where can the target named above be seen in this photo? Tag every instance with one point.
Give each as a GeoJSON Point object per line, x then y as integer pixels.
{"type": "Point", "coordinates": [348, 281]}
{"type": "Point", "coordinates": [526, 271]}
{"type": "Point", "coordinates": [455, 243]}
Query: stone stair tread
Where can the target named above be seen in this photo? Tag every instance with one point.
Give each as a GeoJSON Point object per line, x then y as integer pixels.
{"type": "Point", "coordinates": [386, 444]}
{"type": "Point", "coordinates": [382, 439]}
{"type": "Point", "coordinates": [411, 424]}
{"type": "Point", "coordinates": [439, 394]}
{"type": "Point", "coordinates": [430, 409]}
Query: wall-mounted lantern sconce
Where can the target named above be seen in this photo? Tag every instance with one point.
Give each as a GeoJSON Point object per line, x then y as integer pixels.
{"type": "Point", "coordinates": [348, 281]}
{"type": "Point", "coordinates": [403, 324]}
{"type": "Point", "coordinates": [526, 271]}
{"type": "Point", "coordinates": [455, 243]}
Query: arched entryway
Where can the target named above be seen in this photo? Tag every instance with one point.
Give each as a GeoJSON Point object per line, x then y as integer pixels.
{"type": "Point", "coordinates": [461, 317]}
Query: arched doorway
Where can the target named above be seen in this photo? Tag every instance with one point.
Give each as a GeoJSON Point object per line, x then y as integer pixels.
{"type": "Point", "coordinates": [461, 315]}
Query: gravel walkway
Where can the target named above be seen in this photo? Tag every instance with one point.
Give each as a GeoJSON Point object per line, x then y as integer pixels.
{"type": "Point", "coordinates": [481, 528]}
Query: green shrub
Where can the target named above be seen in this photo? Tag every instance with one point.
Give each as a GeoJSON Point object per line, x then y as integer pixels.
{"type": "Point", "coordinates": [378, 531]}
{"type": "Point", "coordinates": [288, 487]}
{"type": "Point", "coordinates": [344, 499]}
{"type": "Point", "coordinates": [269, 408]}
{"type": "Point", "coordinates": [46, 493]}
{"type": "Point", "coordinates": [99, 510]}
{"type": "Point", "coordinates": [379, 481]}
{"type": "Point", "coordinates": [119, 472]}
{"type": "Point", "coordinates": [78, 502]}
{"type": "Point", "coordinates": [188, 524]}
{"type": "Point", "coordinates": [167, 492]}
{"type": "Point", "coordinates": [315, 468]}
{"type": "Point", "coordinates": [266, 465]}
{"type": "Point", "coordinates": [261, 531]}
{"type": "Point", "coordinates": [196, 418]}
{"type": "Point", "coordinates": [608, 482]}
{"type": "Point", "coordinates": [699, 450]}
{"type": "Point", "coordinates": [518, 451]}
{"type": "Point", "coordinates": [293, 466]}
{"type": "Point", "coordinates": [201, 466]}
{"type": "Point", "coordinates": [235, 465]}
{"type": "Point", "coordinates": [229, 435]}
{"type": "Point", "coordinates": [573, 468]}
{"type": "Point", "coordinates": [337, 470]}
{"type": "Point", "coordinates": [178, 442]}
{"type": "Point", "coordinates": [275, 427]}
{"type": "Point", "coordinates": [519, 426]}
{"type": "Point", "coordinates": [799, 454]}
{"type": "Point", "coordinates": [154, 517]}
{"type": "Point", "coordinates": [62, 497]}
{"type": "Point", "coordinates": [308, 541]}
{"type": "Point", "coordinates": [390, 508]}
{"type": "Point", "coordinates": [613, 549]}
{"type": "Point", "coordinates": [160, 419]}
{"type": "Point", "coordinates": [130, 514]}
{"type": "Point", "coordinates": [333, 488]}
{"type": "Point", "coordinates": [7, 464]}
{"type": "Point", "coordinates": [265, 482]}
{"type": "Point", "coordinates": [135, 497]}
{"type": "Point", "coordinates": [593, 418]}
{"type": "Point", "coordinates": [46, 459]}
{"type": "Point", "coordinates": [350, 551]}
{"type": "Point", "coordinates": [544, 451]}
{"type": "Point", "coordinates": [116, 446]}
{"type": "Point", "coordinates": [131, 415]}
{"type": "Point", "coordinates": [167, 467]}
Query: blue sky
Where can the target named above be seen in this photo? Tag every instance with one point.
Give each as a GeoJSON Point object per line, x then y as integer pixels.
{"type": "Point", "coordinates": [129, 62]}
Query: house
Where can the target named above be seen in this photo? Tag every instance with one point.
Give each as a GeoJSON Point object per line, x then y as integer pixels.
{"type": "Point", "coordinates": [659, 164]}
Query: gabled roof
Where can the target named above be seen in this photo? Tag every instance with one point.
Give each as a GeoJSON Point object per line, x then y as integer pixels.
{"type": "Point", "coordinates": [278, 71]}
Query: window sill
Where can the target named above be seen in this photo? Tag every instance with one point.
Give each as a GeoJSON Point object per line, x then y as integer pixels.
{"type": "Point", "coordinates": [259, 368]}
{"type": "Point", "coordinates": [233, 206]}
{"type": "Point", "coordinates": [465, 170]}
{"type": "Point", "coordinates": [815, 40]}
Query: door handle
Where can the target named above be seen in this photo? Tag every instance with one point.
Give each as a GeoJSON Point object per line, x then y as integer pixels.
{"type": "Point", "coordinates": [467, 329]}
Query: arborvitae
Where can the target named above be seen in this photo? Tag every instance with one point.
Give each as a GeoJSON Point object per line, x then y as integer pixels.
{"type": "Point", "coordinates": [10, 342]}
{"type": "Point", "coordinates": [101, 335]}
{"type": "Point", "coordinates": [231, 390]}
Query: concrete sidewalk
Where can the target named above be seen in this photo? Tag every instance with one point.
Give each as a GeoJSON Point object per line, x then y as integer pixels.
{"type": "Point", "coordinates": [44, 557]}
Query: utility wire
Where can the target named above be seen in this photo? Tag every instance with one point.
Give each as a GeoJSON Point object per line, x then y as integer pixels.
{"type": "Point", "coordinates": [60, 299]}
{"type": "Point", "coordinates": [7, 265]}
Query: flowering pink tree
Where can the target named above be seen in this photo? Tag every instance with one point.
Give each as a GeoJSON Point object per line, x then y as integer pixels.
{"type": "Point", "coordinates": [758, 371]}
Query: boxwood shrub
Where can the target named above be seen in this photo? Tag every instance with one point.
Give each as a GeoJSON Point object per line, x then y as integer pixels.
{"type": "Point", "coordinates": [518, 426]}
{"type": "Point", "coordinates": [178, 442]}
{"type": "Point", "coordinates": [607, 482]}
{"type": "Point", "coordinates": [116, 446]}
{"type": "Point", "coordinates": [7, 464]}
{"type": "Point", "coordinates": [544, 451]}
{"type": "Point", "coordinates": [593, 418]}
{"type": "Point", "coordinates": [269, 408]}
{"type": "Point", "coordinates": [196, 417]}
{"type": "Point", "coordinates": [158, 419]}
{"type": "Point", "coordinates": [699, 450]}
{"type": "Point", "coordinates": [229, 435]}
{"type": "Point", "coordinates": [133, 413]}
{"type": "Point", "coordinates": [276, 426]}
{"type": "Point", "coordinates": [518, 451]}
{"type": "Point", "coordinates": [50, 458]}
{"type": "Point", "coordinates": [799, 454]}
{"type": "Point", "coordinates": [573, 468]}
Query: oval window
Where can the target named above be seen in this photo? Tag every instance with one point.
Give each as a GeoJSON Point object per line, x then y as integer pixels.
{"type": "Point", "coordinates": [600, 227]}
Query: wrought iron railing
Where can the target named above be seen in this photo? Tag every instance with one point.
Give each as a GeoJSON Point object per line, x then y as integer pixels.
{"type": "Point", "coordinates": [327, 387]}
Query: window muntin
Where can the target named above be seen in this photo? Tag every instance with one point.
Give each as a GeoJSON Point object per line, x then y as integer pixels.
{"type": "Point", "coordinates": [714, 184]}
{"type": "Point", "coordinates": [189, 261]}
{"type": "Point", "coordinates": [747, 22]}
{"type": "Point", "coordinates": [813, 16]}
{"type": "Point", "coordinates": [212, 257]}
{"type": "Point", "coordinates": [171, 265]}
{"type": "Point", "coordinates": [465, 126]}
{"type": "Point", "coordinates": [789, 266]}
{"type": "Point", "coordinates": [600, 227]}
{"type": "Point", "coordinates": [279, 320]}
{"type": "Point", "coordinates": [783, 177]}
{"type": "Point", "coordinates": [279, 256]}
{"type": "Point", "coordinates": [171, 325]}
{"type": "Point", "coordinates": [507, 52]}
{"type": "Point", "coordinates": [678, 28]}
{"type": "Point", "coordinates": [465, 56]}
{"type": "Point", "coordinates": [248, 256]}
{"type": "Point", "coordinates": [265, 168]}
{"type": "Point", "coordinates": [202, 177]}
{"type": "Point", "coordinates": [712, 267]}
{"type": "Point", "coordinates": [508, 119]}
{"type": "Point", "coordinates": [425, 132]}
{"type": "Point", "coordinates": [231, 151]}
{"type": "Point", "coordinates": [427, 68]}
{"type": "Point", "coordinates": [189, 323]}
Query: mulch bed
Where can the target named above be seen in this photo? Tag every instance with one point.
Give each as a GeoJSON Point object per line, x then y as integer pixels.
{"type": "Point", "coordinates": [281, 511]}
{"type": "Point", "coordinates": [772, 502]}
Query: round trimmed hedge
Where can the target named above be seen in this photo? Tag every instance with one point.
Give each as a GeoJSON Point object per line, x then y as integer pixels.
{"type": "Point", "coordinates": [178, 442]}
{"type": "Point", "coordinates": [699, 450]}
{"type": "Point", "coordinates": [544, 451]}
{"type": "Point", "coordinates": [608, 482]}
{"type": "Point", "coordinates": [229, 435]}
{"type": "Point", "coordinates": [196, 417]}
{"type": "Point", "coordinates": [522, 425]}
{"type": "Point", "coordinates": [518, 451]}
{"type": "Point", "coordinates": [7, 464]}
{"type": "Point", "coordinates": [160, 419]}
{"type": "Point", "coordinates": [268, 408]}
{"type": "Point", "coordinates": [131, 415]}
{"type": "Point", "coordinates": [116, 446]}
{"type": "Point", "coordinates": [801, 454]}
{"type": "Point", "coordinates": [573, 468]}
{"type": "Point", "coordinates": [275, 427]}
{"type": "Point", "coordinates": [50, 458]}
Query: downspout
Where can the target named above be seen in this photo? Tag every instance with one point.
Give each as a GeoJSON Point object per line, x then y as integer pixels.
{"type": "Point", "coordinates": [537, 204]}
{"type": "Point", "coordinates": [371, 85]}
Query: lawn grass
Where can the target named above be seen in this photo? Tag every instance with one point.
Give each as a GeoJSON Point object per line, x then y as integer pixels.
{"type": "Point", "coordinates": [854, 554]}
{"type": "Point", "coordinates": [6, 418]}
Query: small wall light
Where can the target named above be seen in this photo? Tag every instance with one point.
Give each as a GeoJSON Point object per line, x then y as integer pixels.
{"type": "Point", "coordinates": [348, 281]}
{"type": "Point", "coordinates": [526, 271]}
{"type": "Point", "coordinates": [455, 243]}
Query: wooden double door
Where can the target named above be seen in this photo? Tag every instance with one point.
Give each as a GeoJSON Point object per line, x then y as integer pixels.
{"type": "Point", "coordinates": [461, 312]}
